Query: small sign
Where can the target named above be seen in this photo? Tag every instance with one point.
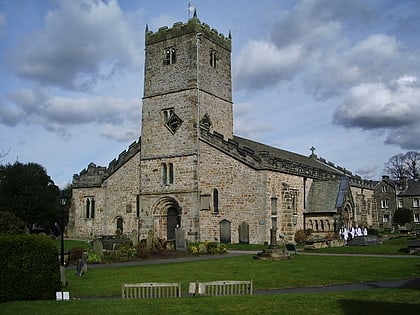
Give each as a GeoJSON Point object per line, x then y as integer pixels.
{"type": "Point", "coordinates": [62, 296]}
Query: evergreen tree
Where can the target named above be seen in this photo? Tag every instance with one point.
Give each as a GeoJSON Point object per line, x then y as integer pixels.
{"type": "Point", "coordinates": [28, 192]}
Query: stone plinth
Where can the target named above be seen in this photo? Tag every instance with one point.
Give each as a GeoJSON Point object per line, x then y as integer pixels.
{"type": "Point", "coordinates": [273, 254]}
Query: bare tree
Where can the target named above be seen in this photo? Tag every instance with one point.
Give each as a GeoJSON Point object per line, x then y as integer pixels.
{"type": "Point", "coordinates": [403, 165]}
{"type": "Point", "coordinates": [412, 164]}
{"type": "Point", "coordinates": [3, 154]}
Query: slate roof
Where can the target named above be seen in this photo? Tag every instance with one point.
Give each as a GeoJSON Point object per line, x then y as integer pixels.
{"type": "Point", "coordinates": [287, 155]}
{"type": "Point", "coordinates": [412, 189]}
{"type": "Point", "coordinates": [322, 196]}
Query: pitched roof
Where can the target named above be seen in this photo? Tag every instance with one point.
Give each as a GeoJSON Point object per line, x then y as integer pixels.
{"type": "Point", "coordinates": [322, 196]}
{"type": "Point", "coordinates": [412, 189]}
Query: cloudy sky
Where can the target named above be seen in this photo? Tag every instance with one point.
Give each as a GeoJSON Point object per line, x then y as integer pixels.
{"type": "Point", "coordinates": [342, 76]}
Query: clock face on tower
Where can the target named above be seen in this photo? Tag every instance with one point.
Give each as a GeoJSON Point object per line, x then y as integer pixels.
{"type": "Point", "coordinates": [173, 123]}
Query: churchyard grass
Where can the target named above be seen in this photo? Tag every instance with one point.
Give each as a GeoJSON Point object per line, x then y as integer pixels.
{"type": "Point", "coordinates": [378, 301]}
{"type": "Point", "coordinates": [394, 246]}
{"type": "Point", "coordinates": [70, 244]}
{"type": "Point", "coordinates": [299, 271]}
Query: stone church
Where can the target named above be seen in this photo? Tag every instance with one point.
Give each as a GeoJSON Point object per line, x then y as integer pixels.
{"type": "Point", "coordinates": [189, 171]}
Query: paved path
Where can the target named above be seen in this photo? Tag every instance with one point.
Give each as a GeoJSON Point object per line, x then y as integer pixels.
{"type": "Point", "coordinates": [413, 283]}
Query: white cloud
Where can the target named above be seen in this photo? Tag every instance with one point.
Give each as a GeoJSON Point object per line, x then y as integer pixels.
{"type": "Point", "coordinates": [82, 42]}
{"type": "Point", "coordinates": [57, 113]}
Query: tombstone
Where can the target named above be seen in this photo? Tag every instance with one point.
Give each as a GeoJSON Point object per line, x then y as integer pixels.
{"type": "Point", "coordinates": [81, 267]}
{"type": "Point", "coordinates": [134, 237]}
{"type": "Point", "coordinates": [180, 239]}
{"type": "Point", "coordinates": [98, 248]}
{"type": "Point", "coordinates": [149, 239]}
{"type": "Point", "coordinates": [244, 233]}
{"type": "Point", "coordinates": [225, 234]}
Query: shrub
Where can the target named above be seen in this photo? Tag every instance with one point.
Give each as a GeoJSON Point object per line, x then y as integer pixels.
{"type": "Point", "coordinates": [76, 253]}
{"type": "Point", "coordinates": [94, 258]}
{"type": "Point", "coordinates": [11, 224]}
{"type": "Point", "coordinates": [207, 248]}
{"type": "Point", "coordinates": [301, 236]}
{"type": "Point", "coordinates": [29, 268]}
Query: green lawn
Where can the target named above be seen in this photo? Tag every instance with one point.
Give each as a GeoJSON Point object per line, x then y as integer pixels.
{"type": "Point", "coordinates": [302, 270]}
{"type": "Point", "coordinates": [379, 301]}
{"type": "Point", "coordinates": [393, 246]}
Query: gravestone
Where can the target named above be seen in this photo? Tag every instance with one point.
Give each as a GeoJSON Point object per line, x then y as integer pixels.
{"type": "Point", "coordinates": [98, 248]}
{"type": "Point", "coordinates": [244, 233]}
{"type": "Point", "coordinates": [81, 267]}
{"type": "Point", "coordinates": [225, 233]}
{"type": "Point", "coordinates": [149, 239]}
{"type": "Point", "coordinates": [134, 237]}
{"type": "Point", "coordinates": [180, 243]}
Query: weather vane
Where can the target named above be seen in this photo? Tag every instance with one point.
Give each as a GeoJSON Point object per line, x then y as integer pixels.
{"type": "Point", "coordinates": [190, 10]}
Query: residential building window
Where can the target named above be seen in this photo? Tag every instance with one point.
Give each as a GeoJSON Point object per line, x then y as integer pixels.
{"type": "Point", "coordinates": [213, 58]}
{"type": "Point", "coordinates": [90, 208]}
{"type": "Point", "coordinates": [416, 217]}
{"type": "Point", "coordinates": [215, 201]}
{"type": "Point", "coordinates": [384, 203]}
{"type": "Point", "coordinates": [384, 189]}
{"type": "Point", "coordinates": [170, 56]}
{"type": "Point", "coordinates": [416, 202]}
{"type": "Point", "coordinates": [400, 203]}
{"type": "Point", "coordinates": [386, 217]}
{"type": "Point", "coordinates": [128, 208]}
{"type": "Point", "coordinates": [167, 173]}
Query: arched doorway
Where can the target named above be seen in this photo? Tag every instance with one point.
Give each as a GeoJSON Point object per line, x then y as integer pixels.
{"type": "Point", "coordinates": [173, 221]}
{"type": "Point", "coordinates": [166, 217]}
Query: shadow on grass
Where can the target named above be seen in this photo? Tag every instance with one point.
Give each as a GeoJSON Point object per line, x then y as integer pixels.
{"type": "Point", "coordinates": [383, 307]}
{"type": "Point", "coordinates": [355, 307]}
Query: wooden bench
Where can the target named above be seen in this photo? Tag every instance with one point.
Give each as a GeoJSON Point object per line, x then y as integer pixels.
{"type": "Point", "coordinates": [151, 290]}
{"type": "Point", "coordinates": [216, 288]}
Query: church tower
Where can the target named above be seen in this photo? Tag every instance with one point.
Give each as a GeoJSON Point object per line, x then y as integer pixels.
{"type": "Point", "coordinates": [187, 85]}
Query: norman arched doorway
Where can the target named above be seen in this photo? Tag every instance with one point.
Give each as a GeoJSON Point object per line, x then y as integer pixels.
{"type": "Point", "coordinates": [167, 216]}
{"type": "Point", "coordinates": [173, 220]}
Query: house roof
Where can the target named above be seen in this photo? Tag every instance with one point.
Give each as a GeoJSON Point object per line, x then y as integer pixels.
{"type": "Point", "coordinates": [412, 188]}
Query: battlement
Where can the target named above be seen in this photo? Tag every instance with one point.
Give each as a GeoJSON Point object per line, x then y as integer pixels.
{"type": "Point", "coordinates": [94, 175]}
{"type": "Point", "coordinates": [192, 26]}
{"type": "Point", "coordinates": [269, 159]}
{"type": "Point", "coordinates": [124, 156]}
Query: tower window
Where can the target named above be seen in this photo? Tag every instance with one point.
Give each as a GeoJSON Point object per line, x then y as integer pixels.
{"type": "Point", "coordinates": [167, 173]}
{"type": "Point", "coordinates": [167, 113]}
{"type": "Point", "coordinates": [170, 56]}
{"type": "Point", "coordinates": [213, 58]}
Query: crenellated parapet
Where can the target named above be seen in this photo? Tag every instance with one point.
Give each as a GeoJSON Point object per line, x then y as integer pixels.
{"type": "Point", "coordinates": [262, 157]}
{"type": "Point", "coordinates": [93, 175]}
{"type": "Point", "coordinates": [192, 26]}
{"type": "Point", "coordinates": [124, 156]}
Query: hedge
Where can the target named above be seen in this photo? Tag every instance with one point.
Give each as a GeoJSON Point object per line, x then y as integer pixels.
{"type": "Point", "coordinates": [29, 268]}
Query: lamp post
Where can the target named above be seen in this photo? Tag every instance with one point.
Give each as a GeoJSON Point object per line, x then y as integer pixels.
{"type": "Point", "coordinates": [62, 204]}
